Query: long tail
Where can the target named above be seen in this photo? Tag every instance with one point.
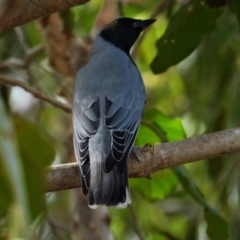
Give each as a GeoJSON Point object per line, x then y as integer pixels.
{"type": "Point", "coordinates": [110, 189]}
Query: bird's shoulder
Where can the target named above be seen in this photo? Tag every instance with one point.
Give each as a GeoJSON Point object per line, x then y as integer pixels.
{"type": "Point", "coordinates": [110, 72]}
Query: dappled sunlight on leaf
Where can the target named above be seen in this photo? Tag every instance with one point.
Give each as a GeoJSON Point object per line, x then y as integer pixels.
{"type": "Point", "coordinates": [159, 187]}
{"type": "Point", "coordinates": [171, 128]}
{"type": "Point", "coordinates": [184, 33]}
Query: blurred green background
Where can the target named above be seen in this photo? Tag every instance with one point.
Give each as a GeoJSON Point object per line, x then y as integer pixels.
{"type": "Point", "coordinates": [190, 63]}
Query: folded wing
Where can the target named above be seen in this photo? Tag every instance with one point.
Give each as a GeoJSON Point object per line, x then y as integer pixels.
{"type": "Point", "coordinates": [86, 120]}
{"type": "Point", "coordinates": [122, 119]}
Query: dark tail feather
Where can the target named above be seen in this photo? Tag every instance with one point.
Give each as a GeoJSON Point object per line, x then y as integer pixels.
{"type": "Point", "coordinates": [110, 189]}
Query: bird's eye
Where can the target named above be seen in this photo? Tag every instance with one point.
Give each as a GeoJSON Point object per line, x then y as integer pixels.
{"type": "Point", "coordinates": [119, 21]}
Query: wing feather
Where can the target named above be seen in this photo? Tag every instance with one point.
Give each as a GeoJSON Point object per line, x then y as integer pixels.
{"type": "Point", "coordinates": [86, 122]}
{"type": "Point", "coordinates": [122, 120]}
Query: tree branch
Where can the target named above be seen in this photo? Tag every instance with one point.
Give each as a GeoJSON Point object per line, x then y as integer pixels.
{"type": "Point", "coordinates": [36, 93]}
{"type": "Point", "coordinates": [22, 63]}
{"type": "Point", "coordinates": [155, 158]}
{"type": "Point", "coordinates": [17, 12]}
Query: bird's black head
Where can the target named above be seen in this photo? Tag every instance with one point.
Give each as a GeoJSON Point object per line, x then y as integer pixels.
{"type": "Point", "coordinates": [123, 32]}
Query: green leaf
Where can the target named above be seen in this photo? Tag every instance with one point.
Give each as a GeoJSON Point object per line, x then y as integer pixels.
{"type": "Point", "coordinates": [146, 135]}
{"type": "Point", "coordinates": [168, 129]}
{"type": "Point", "coordinates": [189, 185]}
{"type": "Point", "coordinates": [186, 29]}
{"type": "Point", "coordinates": [11, 173]}
{"type": "Point", "coordinates": [171, 129]}
{"type": "Point", "coordinates": [6, 195]}
{"type": "Point", "coordinates": [37, 153]}
{"type": "Point", "coordinates": [154, 127]}
{"type": "Point", "coordinates": [160, 186]}
{"type": "Point", "coordinates": [217, 227]}
{"type": "Point", "coordinates": [236, 7]}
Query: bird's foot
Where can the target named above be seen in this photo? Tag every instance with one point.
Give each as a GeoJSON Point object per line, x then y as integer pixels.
{"type": "Point", "coordinates": [136, 154]}
{"type": "Point", "coordinates": [139, 157]}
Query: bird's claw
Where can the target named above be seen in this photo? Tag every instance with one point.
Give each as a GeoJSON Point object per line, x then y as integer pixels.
{"type": "Point", "coordinates": [135, 153]}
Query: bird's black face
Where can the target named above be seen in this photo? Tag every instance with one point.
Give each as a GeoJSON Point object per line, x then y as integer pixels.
{"type": "Point", "coordinates": [123, 32]}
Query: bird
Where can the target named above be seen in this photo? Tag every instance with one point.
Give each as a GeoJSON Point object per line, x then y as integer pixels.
{"type": "Point", "coordinates": [108, 101]}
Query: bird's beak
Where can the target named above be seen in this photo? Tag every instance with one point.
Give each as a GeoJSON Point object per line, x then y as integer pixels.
{"type": "Point", "coordinates": [144, 23]}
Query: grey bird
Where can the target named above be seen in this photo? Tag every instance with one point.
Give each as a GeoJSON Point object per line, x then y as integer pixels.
{"type": "Point", "coordinates": [108, 101]}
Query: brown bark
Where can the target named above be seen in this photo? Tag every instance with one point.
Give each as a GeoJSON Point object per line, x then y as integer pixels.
{"type": "Point", "coordinates": [34, 92]}
{"type": "Point", "coordinates": [66, 52]}
{"type": "Point", "coordinates": [157, 157]}
{"type": "Point", "coordinates": [17, 12]}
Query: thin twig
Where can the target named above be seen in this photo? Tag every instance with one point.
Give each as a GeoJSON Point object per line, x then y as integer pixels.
{"type": "Point", "coordinates": [36, 93]}
{"type": "Point", "coordinates": [12, 63]}
{"type": "Point", "coordinates": [20, 63]}
{"type": "Point", "coordinates": [21, 39]}
{"type": "Point", "coordinates": [160, 8]}
{"type": "Point", "coordinates": [161, 134]}
{"type": "Point", "coordinates": [28, 55]}
{"type": "Point", "coordinates": [32, 52]}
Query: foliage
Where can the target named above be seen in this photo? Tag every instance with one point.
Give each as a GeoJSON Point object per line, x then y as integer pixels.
{"type": "Point", "coordinates": [185, 31]}
{"type": "Point", "coordinates": [196, 50]}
